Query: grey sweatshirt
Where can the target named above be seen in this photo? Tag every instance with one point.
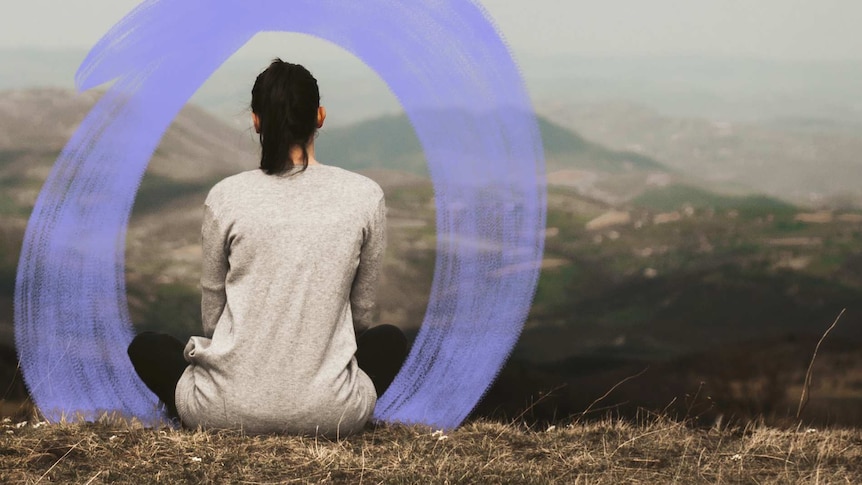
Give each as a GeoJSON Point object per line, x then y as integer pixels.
{"type": "Point", "coordinates": [290, 266]}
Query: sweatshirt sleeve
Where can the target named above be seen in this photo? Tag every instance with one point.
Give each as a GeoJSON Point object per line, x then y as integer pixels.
{"type": "Point", "coordinates": [213, 272]}
{"type": "Point", "coordinates": [363, 293]}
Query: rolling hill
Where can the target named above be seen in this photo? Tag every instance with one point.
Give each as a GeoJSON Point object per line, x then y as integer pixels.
{"type": "Point", "coordinates": [359, 147]}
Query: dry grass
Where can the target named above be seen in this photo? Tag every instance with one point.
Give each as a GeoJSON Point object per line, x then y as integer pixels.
{"type": "Point", "coordinates": [654, 450]}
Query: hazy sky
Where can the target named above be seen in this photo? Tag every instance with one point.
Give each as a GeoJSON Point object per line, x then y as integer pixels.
{"type": "Point", "coordinates": [773, 29]}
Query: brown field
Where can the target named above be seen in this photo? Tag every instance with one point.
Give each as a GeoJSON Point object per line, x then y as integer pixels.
{"type": "Point", "coordinates": [650, 450]}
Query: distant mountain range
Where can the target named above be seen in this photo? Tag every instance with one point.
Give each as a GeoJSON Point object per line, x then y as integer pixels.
{"type": "Point", "coordinates": [714, 88]}
{"type": "Point", "coordinates": [198, 148]}
{"type": "Point", "coordinates": [813, 162]}
{"type": "Point", "coordinates": [788, 129]}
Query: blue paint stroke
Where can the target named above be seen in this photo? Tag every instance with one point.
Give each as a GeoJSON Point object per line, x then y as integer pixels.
{"type": "Point", "coordinates": [463, 94]}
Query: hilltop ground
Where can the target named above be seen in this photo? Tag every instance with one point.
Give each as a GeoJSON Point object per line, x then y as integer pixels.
{"type": "Point", "coordinates": [651, 450]}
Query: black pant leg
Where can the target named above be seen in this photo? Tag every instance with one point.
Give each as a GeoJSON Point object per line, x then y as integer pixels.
{"type": "Point", "coordinates": [380, 352]}
{"type": "Point", "coordinates": [158, 360]}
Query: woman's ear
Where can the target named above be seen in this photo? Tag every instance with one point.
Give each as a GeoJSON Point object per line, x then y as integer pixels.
{"type": "Point", "coordinates": [321, 116]}
{"type": "Point", "coordinates": [256, 120]}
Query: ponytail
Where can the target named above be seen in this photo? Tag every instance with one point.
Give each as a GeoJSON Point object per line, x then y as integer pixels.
{"type": "Point", "coordinates": [285, 97]}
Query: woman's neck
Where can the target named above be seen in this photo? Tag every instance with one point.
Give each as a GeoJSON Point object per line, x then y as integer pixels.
{"type": "Point", "coordinates": [296, 155]}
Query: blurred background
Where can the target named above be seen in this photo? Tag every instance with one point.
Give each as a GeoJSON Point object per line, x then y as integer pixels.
{"type": "Point", "coordinates": [704, 200]}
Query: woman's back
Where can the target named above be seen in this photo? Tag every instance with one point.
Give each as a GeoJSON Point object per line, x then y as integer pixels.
{"type": "Point", "coordinates": [290, 262]}
{"type": "Point", "coordinates": [291, 254]}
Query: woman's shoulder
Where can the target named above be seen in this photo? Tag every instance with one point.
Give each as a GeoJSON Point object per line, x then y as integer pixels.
{"type": "Point", "coordinates": [232, 184]}
{"type": "Point", "coordinates": [353, 180]}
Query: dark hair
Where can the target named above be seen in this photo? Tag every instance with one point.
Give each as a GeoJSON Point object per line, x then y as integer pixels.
{"type": "Point", "coordinates": [285, 98]}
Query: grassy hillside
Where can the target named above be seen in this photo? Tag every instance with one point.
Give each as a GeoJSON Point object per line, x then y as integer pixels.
{"type": "Point", "coordinates": [655, 450]}
{"type": "Point", "coordinates": [677, 196]}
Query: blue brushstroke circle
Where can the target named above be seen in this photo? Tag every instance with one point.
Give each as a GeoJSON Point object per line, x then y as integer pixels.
{"type": "Point", "coordinates": [464, 96]}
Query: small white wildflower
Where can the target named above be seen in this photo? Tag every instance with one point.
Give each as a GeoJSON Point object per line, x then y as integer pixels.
{"type": "Point", "coordinates": [39, 424]}
{"type": "Point", "coordinates": [810, 430]}
{"type": "Point", "coordinates": [7, 420]}
{"type": "Point", "coordinates": [196, 459]}
{"type": "Point", "coordinates": [550, 428]}
{"type": "Point", "coordinates": [21, 424]}
{"type": "Point", "coordinates": [439, 432]}
{"type": "Point", "coordinates": [442, 437]}
{"type": "Point", "coordinates": [736, 457]}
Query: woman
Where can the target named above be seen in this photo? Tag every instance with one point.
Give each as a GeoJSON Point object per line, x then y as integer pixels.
{"type": "Point", "coordinates": [291, 256]}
